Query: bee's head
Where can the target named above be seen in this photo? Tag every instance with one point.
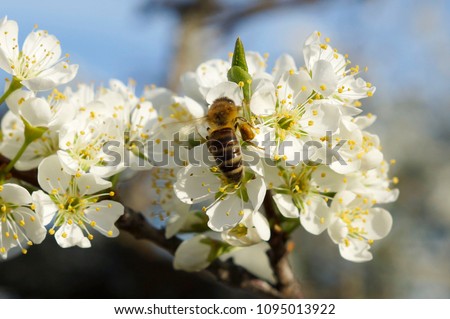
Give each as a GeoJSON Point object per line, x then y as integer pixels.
{"type": "Point", "coordinates": [222, 112]}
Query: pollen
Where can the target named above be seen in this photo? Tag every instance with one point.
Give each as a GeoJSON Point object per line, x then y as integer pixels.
{"type": "Point", "coordinates": [241, 213]}
{"type": "Point", "coordinates": [24, 251]}
{"type": "Point", "coordinates": [395, 180]}
{"type": "Point", "coordinates": [323, 87]}
{"type": "Point", "coordinates": [110, 233]}
{"type": "Point", "coordinates": [51, 231]}
{"type": "Point", "coordinates": [369, 93]}
{"type": "Point", "coordinates": [310, 123]}
{"type": "Point", "coordinates": [111, 193]}
{"type": "Point", "coordinates": [64, 235]}
{"type": "Point", "coordinates": [303, 88]}
{"type": "Point", "coordinates": [90, 237]}
{"type": "Point", "coordinates": [93, 223]}
{"type": "Point", "coordinates": [22, 223]}
{"type": "Point", "coordinates": [241, 84]}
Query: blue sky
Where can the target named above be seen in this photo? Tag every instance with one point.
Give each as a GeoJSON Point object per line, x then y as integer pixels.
{"type": "Point", "coordinates": [406, 44]}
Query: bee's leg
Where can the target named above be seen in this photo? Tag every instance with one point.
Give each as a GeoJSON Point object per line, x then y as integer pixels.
{"type": "Point", "coordinates": [244, 120]}
{"type": "Point", "coordinates": [254, 145]}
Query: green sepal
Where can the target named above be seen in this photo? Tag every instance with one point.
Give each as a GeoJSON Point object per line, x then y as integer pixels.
{"type": "Point", "coordinates": [238, 73]}
{"type": "Point", "coordinates": [239, 56]}
{"type": "Point", "coordinates": [31, 132]}
{"type": "Point", "coordinates": [218, 248]}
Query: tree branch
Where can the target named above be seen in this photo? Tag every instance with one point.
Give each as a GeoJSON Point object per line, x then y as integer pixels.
{"type": "Point", "coordinates": [225, 271]}
{"type": "Point", "coordinates": [287, 284]}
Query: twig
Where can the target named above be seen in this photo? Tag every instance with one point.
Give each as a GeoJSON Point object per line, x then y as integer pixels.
{"type": "Point", "coordinates": [224, 271]}
{"type": "Point", "coordinates": [287, 284]}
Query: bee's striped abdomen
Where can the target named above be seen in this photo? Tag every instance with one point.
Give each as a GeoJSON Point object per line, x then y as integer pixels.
{"type": "Point", "coordinates": [224, 146]}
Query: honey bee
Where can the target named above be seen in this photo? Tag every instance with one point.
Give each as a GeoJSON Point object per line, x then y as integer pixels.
{"type": "Point", "coordinates": [222, 142]}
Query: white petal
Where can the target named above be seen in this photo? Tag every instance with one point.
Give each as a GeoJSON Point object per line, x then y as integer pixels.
{"type": "Point", "coordinates": [35, 229]}
{"type": "Point", "coordinates": [43, 47]}
{"type": "Point", "coordinates": [16, 99]}
{"type": "Point", "coordinates": [341, 200]}
{"type": "Point", "coordinates": [225, 89]}
{"type": "Point", "coordinates": [263, 99]}
{"type": "Point", "coordinates": [51, 78]}
{"type": "Point", "coordinates": [52, 176]}
{"type": "Point", "coordinates": [255, 63]}
{"type": "Point", "coordinates": [317, 215]}
{"type": "Point", "coordinates": [356, 251]}
{"type": "Point", "coordinates": [338, 231]}
{"type": "Point", "coordinates": [211, 73]}
{"type": "Point", "coordinates": [73, 236]}
{"type": "Point", "coordinates": [285, 205]}
{"type": "Point", "coordinates": [323, 77]}
{"type": "Point", "coordinates": [371, 159]}
{"type": "Point", "coordinates": [45, 207]}
{"type": "Point", "coordinates": [192, 254]}
{"type": "Point", "coordinates": [105, 214]}
{"type": "Point", "coordinates": [91, 184]}
{"type": "Point", "coordinates": [256, 190]}
{"type": "Point", "coordinates": [225, 213]}
{"type": "Point", "coordinates": [284, 63]}
{"type": "Point", "coordinates": [68, 163]}
{"type": "Point", "coordinates": [9, 31]}
{"type": "Point", "coordinates": [36, 111]}
{"type": "Point", "coordinates": [15, 194]}
{"type": "Point", "coordinates": [378, 223]}
{"type": "Point", "coordinates": [195, 184]}
{"type": "Point", "coordinates": [261, 225]}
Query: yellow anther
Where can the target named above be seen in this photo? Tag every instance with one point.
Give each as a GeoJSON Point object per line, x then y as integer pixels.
{"type": "Point", "coordinates": [93, 223]}
{"type": "Point", "coordinates": [327, 40]}
{"type": "Point", "coordinates": [393, 161]}
{"type": "Point", "coordinates": [33, 207]}
{"type": "Point", "coordinates": [346, 242]}
{"type": "Point", "coordinates": [7, 234]}
{"type": "Point", "coordinates": [291, 71]}
{"type": "Point", "coordinates": [241, 213]}
{"type": "Point", "coordinates": [64, 235]}
{"type": "Point", "coordinates": [70, 222]}
{"type": "Point", "coordinates": [323, 174]}
{"type": "Point", "coordinates": [90, 237]}
{"type": "Point", "coordinates": [315, 112]}
{"type": "Point", "coordinates": [310, 123]}
{"type": "Point", "coordinates": [344, 180]}
{"type": "Point", "coordinates": [22, 223]}
{"type": "Point", "coordinates": [3, 209]}
{"type": "Point", "coordinates": [54, 191]}
{"type": "Point", "coordinates": [24, 251]}
{"type": "Point", "coordinates": [110, 205]}
{"type": "Point", "coordinates": [204, 209]}
{"type": "Point", "coordinates": [111, 194]}
{"type": "Point", "coordinates": [370, 241]}
{"type": "Point", "coordinates": [97, 209]}
{"type": "Point", "coordinates": [110, 233]}
{"type": "Point", "coordinates": [29, 243]}
{"type": "Point", "coordinates": [341, 200]}
{"type": "Point", "coordinates": [395, 180]}
{"type": "Point", "coordinates": [241, 84]}
{"type": "Point", "coordinates": [369, 93]}
{"type": "Point", "coordinates": [322, 220]}
{"type": "Point", "coordinates": [2, 250]}
{"type": "Point", "coordinates": [51, 231]}
{"type": "Point", "coordinates": [323, 46]}
{"type": "Point", "coordinates": [323, 87]}
{"type": "Point", "coordinates": [15, 236]}
{"type": "Point", "coordinates": [368, 84]}
{"type": "Point", "coordinates": [303, 88]}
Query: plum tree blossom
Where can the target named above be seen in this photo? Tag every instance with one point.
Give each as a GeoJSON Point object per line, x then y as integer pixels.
{"type": "Point", "coordinates": [300, 139]}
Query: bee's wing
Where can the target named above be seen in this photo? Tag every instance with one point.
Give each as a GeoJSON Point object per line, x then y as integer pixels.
{"type": "Point", "coordinates": [191, 131]}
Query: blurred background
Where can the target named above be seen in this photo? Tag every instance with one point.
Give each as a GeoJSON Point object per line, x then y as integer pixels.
{"type": "Point", "coordinates": [405, 44]}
